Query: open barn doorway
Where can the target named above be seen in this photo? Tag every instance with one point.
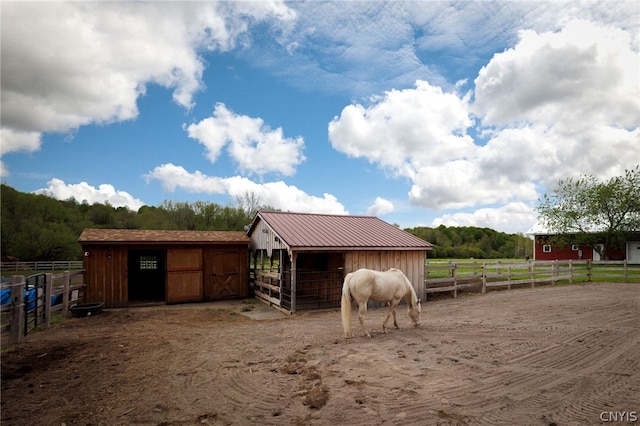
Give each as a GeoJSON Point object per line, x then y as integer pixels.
{"type": "Point", "coordinates": [147, 276]}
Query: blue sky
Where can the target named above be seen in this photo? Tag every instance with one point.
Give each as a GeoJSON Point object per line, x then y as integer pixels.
{"type": "Point", "coordinates": [421, 113]}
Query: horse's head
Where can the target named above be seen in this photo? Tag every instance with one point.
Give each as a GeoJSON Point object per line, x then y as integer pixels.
{"type": "Point", "coordinates": [414, 312]}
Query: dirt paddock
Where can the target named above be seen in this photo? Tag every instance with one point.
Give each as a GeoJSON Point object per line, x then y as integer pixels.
{"type": "Point", "coordinates": [554, 355]}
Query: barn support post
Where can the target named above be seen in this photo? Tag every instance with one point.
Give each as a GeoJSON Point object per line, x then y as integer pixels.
{"type": "Point", "coordinates": [17, 309]}
{"type": "Point", "coordinates": [280, 275]}
{"type": "Point", "coordinates": [294, 273]}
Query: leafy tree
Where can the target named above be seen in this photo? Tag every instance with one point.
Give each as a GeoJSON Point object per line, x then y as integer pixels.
{"type": "Point", "coordinates": [588, 211]}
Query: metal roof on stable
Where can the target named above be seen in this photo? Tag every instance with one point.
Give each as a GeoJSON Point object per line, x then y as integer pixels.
{"type": "Point", "coordinates": [149, 236]}
{"type": "Point", "coordinates": [325, 231]}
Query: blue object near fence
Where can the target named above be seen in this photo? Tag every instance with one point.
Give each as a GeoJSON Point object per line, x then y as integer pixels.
{"type": "Point", "coordinates": [30, 297]}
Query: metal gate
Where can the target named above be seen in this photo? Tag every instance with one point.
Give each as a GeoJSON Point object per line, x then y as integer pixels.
{"type": "Point", "coordinates": [314, 289]}
{"type": "Point", "coordinates": [34, 302]}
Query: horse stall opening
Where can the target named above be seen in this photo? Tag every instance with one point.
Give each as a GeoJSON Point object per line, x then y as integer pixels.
{"type": "Point", "coordinates": [146, 278]}
{"type": "Point", "coordinates": [319, 278]}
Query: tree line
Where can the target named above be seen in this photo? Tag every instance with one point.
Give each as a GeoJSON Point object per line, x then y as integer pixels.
{"type": "Point", "coordinates": [38, 227]}
{"type": "Point", "coordinates": [463, 242]}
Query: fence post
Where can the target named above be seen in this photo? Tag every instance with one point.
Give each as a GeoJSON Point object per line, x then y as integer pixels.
{"type": "Point", "coordinates": [484, 277]}
{"type": "Point", "coordinates": [66, 281]}
{"type": "Point", "coordinates": [554, 272]}
{"type": "Point", "coordinates": [17, 309]}
{"type": "Point", "coordinates": [509, 277]}
{"type": "Point", "coordinates": [625, 270]}
{"type": "Point", "coordinates": [532, 275]}
{"type": "Point", "coordinates": [454, 272]}
{"type": "Point", "coordinates": [588, 270]}
{"type": "Point", "coordinates": [48, 292]}
{"type": "Point", "coordinates": [570, 272]}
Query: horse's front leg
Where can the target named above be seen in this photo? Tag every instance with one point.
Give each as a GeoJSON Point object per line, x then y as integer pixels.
{"type": "Point", "coordinates": [362, 310]}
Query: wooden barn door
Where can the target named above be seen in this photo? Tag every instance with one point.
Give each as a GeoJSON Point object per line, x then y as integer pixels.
{"type": "Point", "coordinates": [184, 275]}
{"type": "Point", "coordinates": [225, 282]}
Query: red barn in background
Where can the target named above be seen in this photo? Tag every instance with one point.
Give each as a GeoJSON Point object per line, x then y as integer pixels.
{"type": "Point", "coordinates": [545, 249]}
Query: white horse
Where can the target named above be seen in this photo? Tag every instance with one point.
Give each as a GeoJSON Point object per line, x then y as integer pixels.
{"type": "Point", "coordinates": [390, 286]}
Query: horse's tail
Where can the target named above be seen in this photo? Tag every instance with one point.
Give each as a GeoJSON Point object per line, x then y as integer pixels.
{"type": "Point", "coordinates": [345, 307]}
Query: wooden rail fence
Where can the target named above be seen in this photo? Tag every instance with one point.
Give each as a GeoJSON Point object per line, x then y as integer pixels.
{"type": "Point", "coordinates": [29, 303]}
{"type": "Point", "coordinates": [53, 265]}
{"type": "Point", "coordinates": [455, 276]}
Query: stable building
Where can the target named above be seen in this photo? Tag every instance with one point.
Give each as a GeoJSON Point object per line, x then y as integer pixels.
{"type": "Point", "coordinates": [545, 248]}
{"type": "Point", "coordinates": [125, 267]}
{"type": "Point", "coordinates": [299, 260]}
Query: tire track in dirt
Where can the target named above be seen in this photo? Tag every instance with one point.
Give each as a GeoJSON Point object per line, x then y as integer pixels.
{"type": "Point", "coordinates": [379, 386]}
{"type": "Point", "coordinates": [552, 355]}
{"type": "Point", "coordinates": [587, 367]}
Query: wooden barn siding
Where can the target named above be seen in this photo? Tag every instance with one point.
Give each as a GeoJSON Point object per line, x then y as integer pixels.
{"type": "Point", "coordinates": [263, 238]}
{"type": "Point", "coordinates": [242, 266]}
{"type": "Point", "coordinates": [106, 278]}
{"type": "Point", "coordinates": [411, 262]}
{"type": "Point", "coordinates": [184, 275]}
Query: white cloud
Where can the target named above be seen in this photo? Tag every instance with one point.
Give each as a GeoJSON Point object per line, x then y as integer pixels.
{"type": "Point", "coordinates": [275, 194]}
{"type": "Point", "coordinates": [558, 104]}
{"type": "Point", "coordinates": [559, 78]}
{"type": "Point", "coordinates": [82, 191]}
{"type": "Point", "coordinates": [254, 146]}
{"type": "Point", "coordinates": [405, 129]}
{"type": "Point", "coordinates": [380, 207]}
{"type": "Point", "coordinates": [69, 64]}
{"type": "Point", "coordinates": [510, 218]}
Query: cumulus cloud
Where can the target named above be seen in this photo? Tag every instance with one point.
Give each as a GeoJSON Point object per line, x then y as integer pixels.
{"type": "Point", "coordinates": [253, 145]}
{"type": "Point", "coordinates": [560, 103]}
{"type": "Point", "coordinates": [405, 129]}
{"type": "Point", "coordinates": [275, 194]}
{"type": "Point", "coordinates": [558, 78]}
{"type": "Point", "coordinates": [62, 66]}
{"type": "Point", "coordinates": [511, 217]}
{"type": "Point", "coordinates": [380, 207]}
{"type": "Point", "coordinates": [82, 191]}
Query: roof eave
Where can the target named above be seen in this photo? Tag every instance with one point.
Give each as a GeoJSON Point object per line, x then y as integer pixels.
{"type": "Point", "coordinates": [357, 248]}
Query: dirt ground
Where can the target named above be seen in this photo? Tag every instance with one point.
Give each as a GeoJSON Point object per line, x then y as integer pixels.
{"type": "Point", "coordinates": [554, 355]}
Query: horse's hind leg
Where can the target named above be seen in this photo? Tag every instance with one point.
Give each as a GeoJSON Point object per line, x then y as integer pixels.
{"type": "Point", "coordinates": [389, 312]}
{"type": "Point", "coordinates": [362, 310]}
{"type": "Point", "coordinates": [392, 311]}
